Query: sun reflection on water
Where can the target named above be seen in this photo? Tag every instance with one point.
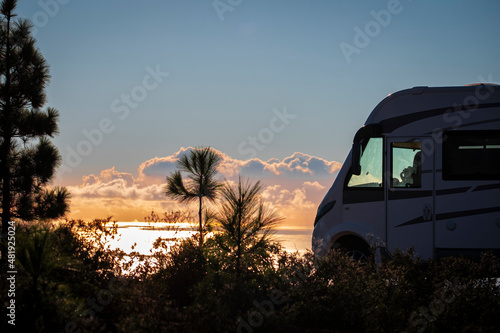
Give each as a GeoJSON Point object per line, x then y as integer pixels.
{"type": "Point", "coordinates": [140, 236]}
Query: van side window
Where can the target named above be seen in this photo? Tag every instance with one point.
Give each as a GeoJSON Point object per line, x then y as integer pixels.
{"type": "Point", "coordinates": [406, 165]}
{"type": "Point", "coordinates": [371, 166]}
{"type": "Point", "coordinates": [471, 155]}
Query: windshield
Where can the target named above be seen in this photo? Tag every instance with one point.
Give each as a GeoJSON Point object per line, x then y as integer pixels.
{"type": "Point", "coordinates": [371, 165]}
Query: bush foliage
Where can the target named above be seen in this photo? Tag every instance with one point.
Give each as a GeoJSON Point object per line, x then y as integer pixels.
{"type": "Point", "coordinates": [70, 281]}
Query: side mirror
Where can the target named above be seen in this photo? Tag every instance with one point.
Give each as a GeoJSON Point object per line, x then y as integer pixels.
{"type": "Point", "coordinates": [356, 158]}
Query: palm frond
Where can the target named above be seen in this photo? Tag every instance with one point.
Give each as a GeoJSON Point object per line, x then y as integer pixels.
{"type": "Point", "coordinates": [7, 7]}
{"type": "Point", "coordinates": [200, 165]}
{"type": "Point", "coordinates": [176, 190]}
{"type": "Point", "coordinates": [246, 222]}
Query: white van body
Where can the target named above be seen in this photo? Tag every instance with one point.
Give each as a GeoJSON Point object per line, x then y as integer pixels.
{"type": "Point", "coordinates": [424, 172]}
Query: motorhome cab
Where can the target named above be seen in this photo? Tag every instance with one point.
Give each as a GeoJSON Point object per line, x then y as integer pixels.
{"type": "Point", "coordinates": [423, 172]}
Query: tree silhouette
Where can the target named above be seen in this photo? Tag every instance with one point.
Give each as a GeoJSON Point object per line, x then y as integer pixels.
{"type": "Point", "coordinates": [246, 222]}
{"type": "Point", "coordinates": [200, 166]}
{"type": "Point", "coordinates": [28, 159]}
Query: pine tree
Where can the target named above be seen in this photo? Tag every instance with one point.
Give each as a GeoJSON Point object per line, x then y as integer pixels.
{"type": "Point", "coordinates": [28, 159]}
{"type": "Point", "coordinates": [246, 223]}
{"type": "Point", "coordinates": [200, 166]}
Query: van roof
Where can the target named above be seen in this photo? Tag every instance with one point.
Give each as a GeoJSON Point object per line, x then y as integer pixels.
{"type": "Point", "coordinates": [411, 105]}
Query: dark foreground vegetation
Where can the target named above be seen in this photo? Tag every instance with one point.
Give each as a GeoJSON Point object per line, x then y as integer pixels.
{"type": "Point", "coordinates": [69, 281]}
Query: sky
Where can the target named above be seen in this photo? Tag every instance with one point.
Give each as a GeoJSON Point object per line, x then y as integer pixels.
{"type": "Point", "coordinates": [279, 88]}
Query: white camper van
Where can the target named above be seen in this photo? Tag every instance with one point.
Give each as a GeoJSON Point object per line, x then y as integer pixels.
{"type": "Point", "coordinates": [423, 172]}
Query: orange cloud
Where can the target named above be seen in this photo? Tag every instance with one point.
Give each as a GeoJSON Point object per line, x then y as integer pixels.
{"type": "Point", "coordinates": [315, 185]}
{"type": "Point", "coordinates": [294, 185]}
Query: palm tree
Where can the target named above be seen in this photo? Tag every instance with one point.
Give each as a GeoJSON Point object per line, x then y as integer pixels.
{"type": "Point", "coordinates": [200, 165]}
{"type": "Point", "coordinates": [245, 221]}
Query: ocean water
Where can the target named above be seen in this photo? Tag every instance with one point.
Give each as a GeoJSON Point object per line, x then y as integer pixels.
{"type": "Point", "coordinates": [140, 236]}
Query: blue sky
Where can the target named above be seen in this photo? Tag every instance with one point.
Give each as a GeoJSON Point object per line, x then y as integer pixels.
{"type": "Point", "coordinates": [230, 72]}
{"type": "Point", "coordinates": [227, 76]}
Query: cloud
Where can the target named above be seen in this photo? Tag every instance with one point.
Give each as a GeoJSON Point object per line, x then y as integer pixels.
{"type": "Point", "coordinates": [298, 165]}
{"type": "Point", "coordinates": [118, 188]}
{"type": "Point", "coordinates": [314, 185]}
{"type": "Point", "coordinates": [295, 185]}
{"type": "Point", "coordinates": [114, 184]}
{"type": "Point", "coordinates": [287, 198]}
{"type": "Point", "coordinates": [107, 176]}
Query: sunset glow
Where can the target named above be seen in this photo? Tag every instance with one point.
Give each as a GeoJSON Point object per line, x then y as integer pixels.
{"type": "Point", "coordinates": [293, 185]}
{"type": "Point", "coordinates": [278, 88]}
{"type": "Point", "coordinates": [249, 166]}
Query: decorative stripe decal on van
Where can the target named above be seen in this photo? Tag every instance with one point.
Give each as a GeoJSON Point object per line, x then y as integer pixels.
{"type": "Point", "coordinates": [453, 190]}
{"type": "Point", "coordinates": [486, 187]}
{"type": "Point", "coordinates": [373, 195]}
{"type": "Point", "coordinates": [391, 124]}
{"type": "Point", "coordinates": [462, 126]}
{"type": "Point", "coordinates": [402, 194]}
{"type": "Point", "coordinates": [418, 220]}
{"type": "Point", "coordinates": [450, 215]}
{"type": "Point", "coordinates": [464, 213]}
